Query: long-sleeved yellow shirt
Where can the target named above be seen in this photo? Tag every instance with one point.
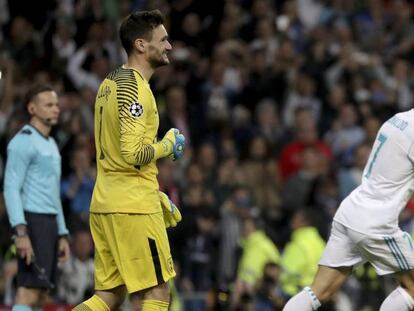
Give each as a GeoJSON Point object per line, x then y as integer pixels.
{"type": "Point", "coordinates": [300, 259]}
{"type": "Point", "coordinates": [126, 125]}
{"type": "Point", "coordinates": [258, 250]}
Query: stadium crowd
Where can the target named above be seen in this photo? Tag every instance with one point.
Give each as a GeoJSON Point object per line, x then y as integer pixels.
{"type": "Point", "coordinates": [280, 102]}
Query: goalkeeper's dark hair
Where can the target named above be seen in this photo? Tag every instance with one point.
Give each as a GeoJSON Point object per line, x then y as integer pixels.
{"type": "Point", "coordinates": [139, 25]}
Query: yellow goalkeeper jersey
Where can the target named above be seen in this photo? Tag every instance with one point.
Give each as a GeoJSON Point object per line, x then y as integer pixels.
{"type": "Point", "coordinates": [126, 124]}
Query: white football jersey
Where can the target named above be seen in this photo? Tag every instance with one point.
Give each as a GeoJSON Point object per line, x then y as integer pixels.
{"type": "Point", "coordinates": [387, 181]}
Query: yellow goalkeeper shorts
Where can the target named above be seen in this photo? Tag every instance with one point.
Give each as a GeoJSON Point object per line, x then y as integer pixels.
{"type": "Point", "coordinates": [130, 249]}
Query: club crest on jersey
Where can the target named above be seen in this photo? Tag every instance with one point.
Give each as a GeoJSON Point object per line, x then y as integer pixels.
{"type": "Point", "coordinates": [136, 110]}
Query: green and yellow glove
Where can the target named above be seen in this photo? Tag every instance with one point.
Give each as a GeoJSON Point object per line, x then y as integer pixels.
{"type": "Point", "coordinates": [171, 214]}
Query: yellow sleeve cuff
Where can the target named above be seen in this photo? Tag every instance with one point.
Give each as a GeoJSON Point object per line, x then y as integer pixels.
{"type": "Point", "coordinates": [162, 149]}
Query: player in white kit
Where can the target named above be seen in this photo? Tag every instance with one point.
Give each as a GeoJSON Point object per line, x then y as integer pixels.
{"type": "Point", "coordinates": [365, 226]}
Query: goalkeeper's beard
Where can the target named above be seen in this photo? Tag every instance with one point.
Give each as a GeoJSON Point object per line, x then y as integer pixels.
{"type": "Point", "coordinates": [158, 59]}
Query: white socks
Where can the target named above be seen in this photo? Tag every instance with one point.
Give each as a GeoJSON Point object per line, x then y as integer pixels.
{"type": "Point", "coordinates": [399, 300]}
{"type": "Point", "coordinates": [305, 300]}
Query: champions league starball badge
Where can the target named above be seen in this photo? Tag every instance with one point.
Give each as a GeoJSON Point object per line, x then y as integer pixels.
{"type": "Point", "coordinates": [136, 110]}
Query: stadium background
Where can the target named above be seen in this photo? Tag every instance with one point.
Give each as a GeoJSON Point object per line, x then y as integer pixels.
{"type": "Point", "coordinates": [279, 101]}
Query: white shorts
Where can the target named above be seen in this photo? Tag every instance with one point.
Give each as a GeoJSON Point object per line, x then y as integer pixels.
{"type": "Point", "coordinates": [387, 254]}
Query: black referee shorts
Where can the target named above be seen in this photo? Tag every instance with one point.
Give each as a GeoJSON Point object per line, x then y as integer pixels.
{"type": "Point", "coordinates": [43, 233]}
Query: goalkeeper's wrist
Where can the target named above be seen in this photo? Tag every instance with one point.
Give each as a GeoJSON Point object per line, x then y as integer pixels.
{"type": "Point", "coordinates": [163, 148]}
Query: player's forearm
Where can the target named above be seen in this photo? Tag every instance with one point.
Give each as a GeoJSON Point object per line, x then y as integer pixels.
{"type": "Point", "coordinates": [14, 207]}
{"type": "Point", "coordinates": [146, 153]}
{"type": "Point", "coordinates": [62, 229]}
{"type": "Point", "coordinates": [162, 149]}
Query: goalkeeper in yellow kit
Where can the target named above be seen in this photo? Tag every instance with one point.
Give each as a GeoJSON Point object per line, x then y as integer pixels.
{"type": "Point", "coordinates": [129, 215]}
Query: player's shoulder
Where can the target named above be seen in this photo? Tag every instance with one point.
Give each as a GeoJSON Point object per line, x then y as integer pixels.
{"type": "Point", "coordinates": [405, 115]}
{"type": "Point", "coordinates": [23, 138]}
{"type": "Point", "coordinates": [131, 87]}
{"type": "Point", "coordinates": [403, 121]}
{"type": "Point", "coordinates": [125, 76]}
{"type": "Point", "coordinates": [25, 132]}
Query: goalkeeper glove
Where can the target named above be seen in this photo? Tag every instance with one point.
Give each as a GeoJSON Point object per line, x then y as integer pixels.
{"type": "Point", "coordinates": [171, 214]}
{"type": "Point", "coordinates": [177, 141]}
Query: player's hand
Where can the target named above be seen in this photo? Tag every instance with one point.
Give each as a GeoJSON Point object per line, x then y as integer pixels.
{"type": "Point", "coordinates": [24, 248]}
{"type": "Point", "coordinates": [177, 142]}
{"type": "Point", "coordinates": [64, 249]}
{"type": "Point", "coordinates": [171, 214]}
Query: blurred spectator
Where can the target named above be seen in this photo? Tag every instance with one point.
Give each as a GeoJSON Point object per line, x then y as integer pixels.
{"type": "Point", "coordinates": [77, 274]}
{"type": "Point", "coordinates": [94, 60]}
{"type": "Point", "coordinates": [297, 191]}
{"type": "Point", "coordinates": [207, 160]}
{"type": "Point", "coordinates": [325, 198]}
{"type": "Point", "coordinates": [209, 13]}
{"type": "Point", "coordinates": [77, 188]}
{"type": "Point", "coordinates": [301, 255]}
{"type": "Point", "coordinates": [335, 100]}
{"type": "Point", "coordinates": [63, 44]}
{"type": "Point", "coordinates": [21, 46]}
{"type": "Point", "coordinates": [370, 293]}
{"type": "Point", "coordinates": [8, 276]}
{"type": "Point", "coordinates": [258, 250]}
{"type": "Point", "coordinates": [175, 114]}
{"type": "Point", "coordinates": [217, 97]}
{"type": "Point", "coordinates": [262, 176]}
{"type": "Point", "coordinates": [89, 65]}
{"type": "Point", "coordinates": [345, 134]}
{"type": "Point", "coordinates": [306, 136]}
{"type": "Point", "coordinates": [266, 39]}
{"type": "Point", "coordinates": [238, 205]}
{"type": "Point", "coordinates": [301, 96]}
{"type": "Point", "coordinates": [191, 31]}
{"type": "Point", "coordinates": [14, 124]}
{"type": "Point", "coordinates": [290, 23]}
{"type": "Point", "coordinates": [227, 179]}
{"type": "Point", "coordinates": [8, 262]}
{"type": "Point", "coordinates": [270, 296]}
{"type": "Point", "coordinates": [286, 63]}
{"type": "Point", "coordinates": [269, 125]}
{"type": "Point", "coordinates": [350, 178]}
{"type": "Point", "coordinates": [259, 10]}
{"type": "Point", "coordinates": [241, 126]}
{"type": "Point", "coordinates": [257, 81]}
{"type": "Point", "coordinates": [166, 180]}
{"type": "Point", "coordinates": [371, 126]}
{"type": "Point", "coordinates": [199, 263]}
{"type": "Point", "coordinates": [309, 12]}
{"type": "Point", "coordinates": [7, 68]}
{"type": "Point", "coordinates": [5, 229]}
{"type": "Point", "coordinates": [397, 82]}
{"type": "Point", "coordinates": [195, 198]}
{"type": "Point", "coordinates": [4, 16]}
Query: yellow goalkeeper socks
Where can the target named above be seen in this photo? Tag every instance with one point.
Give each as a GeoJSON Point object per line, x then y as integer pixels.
{"type": "Point", "coordinates": [94, 303]}
{"type": "Point", "coordinates": [154, 305]}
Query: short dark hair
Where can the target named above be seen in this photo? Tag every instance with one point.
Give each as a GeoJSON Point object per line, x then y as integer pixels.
{"type": "Point", "coordinates": [35, 90]}
{"type": "Point", "coordinates": [308, 215]}
{"type": "Point", "coordinates": [139, 25]}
